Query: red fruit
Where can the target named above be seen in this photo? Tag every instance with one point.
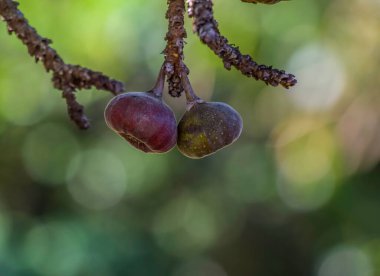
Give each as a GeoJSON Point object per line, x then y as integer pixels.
{"type": "Point", "coordinates": [143, 120]}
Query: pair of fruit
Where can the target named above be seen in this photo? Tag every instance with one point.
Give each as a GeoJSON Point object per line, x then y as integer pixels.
{"type": "Point", "coordinates": [146, 122]}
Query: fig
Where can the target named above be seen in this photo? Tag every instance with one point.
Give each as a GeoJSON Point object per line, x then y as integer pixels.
{"type": "Point", "coordinates": [208, 127]}
{"type": "Point", "coordinates": [143, 119]}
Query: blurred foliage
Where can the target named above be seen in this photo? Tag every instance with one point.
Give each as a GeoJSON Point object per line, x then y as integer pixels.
{"type": "Point", "coordinates": [297, 194]}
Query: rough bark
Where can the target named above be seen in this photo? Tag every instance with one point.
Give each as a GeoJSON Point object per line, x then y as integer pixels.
{"type": "Point", "coordinates": [66, 77]}
{"type": "Point", "coordinates": [174, 48]}
{"type": "Point", "coordinates": [207, 29]}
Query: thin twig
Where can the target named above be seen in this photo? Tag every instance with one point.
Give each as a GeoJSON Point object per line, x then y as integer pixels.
{"type": "Point", "coordinates": [174, 47]}
{"type": "Point", "coordinates": [207, 29]}
{"type": "Point", "coordinates": [75, 109]}
{"type": "Point", "coordinates": [66, 77]}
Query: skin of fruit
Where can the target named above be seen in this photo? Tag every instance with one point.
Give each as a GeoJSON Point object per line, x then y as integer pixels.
{"type": "Point", "coordinates": [208, 127]}
{"type": "Point", "coordinates": [143, 120]}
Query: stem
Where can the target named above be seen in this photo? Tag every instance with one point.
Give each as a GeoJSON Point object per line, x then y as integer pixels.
{"type": "Point", "coordinates": [160, 82]}
{"type": "Point", "coordinates": [191, 97]}
{"type": "Point", "coordinates": [174, 47]}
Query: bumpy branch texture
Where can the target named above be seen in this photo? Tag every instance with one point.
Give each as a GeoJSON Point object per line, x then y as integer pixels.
{"type": "Point", "coordinates": [66, 77]}
{"type": "Point", "coordinates": [174, 48]}
{"type": "Point", "coordinates": [206, 27]}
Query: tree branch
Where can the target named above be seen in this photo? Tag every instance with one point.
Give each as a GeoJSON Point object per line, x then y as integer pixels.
{"type": "Point", "coordinates": [206, 27]}
{"type": "Point", "coordinates": [66, 77]}
{"type": "Point", "coordinates": [174, 47]}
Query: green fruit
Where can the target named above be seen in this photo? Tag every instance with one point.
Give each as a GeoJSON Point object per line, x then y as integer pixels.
{"type": "Point", "coordinates": [208, 127]}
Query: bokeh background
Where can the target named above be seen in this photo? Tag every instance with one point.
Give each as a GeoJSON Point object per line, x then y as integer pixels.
{"type": "Point", "coordinates": [298, 194]}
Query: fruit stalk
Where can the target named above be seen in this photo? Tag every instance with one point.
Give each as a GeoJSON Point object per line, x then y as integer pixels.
{"type": "Point", "coordinates": [158, 88]}
{"type": "Point", "coordinates": [191, 97]}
